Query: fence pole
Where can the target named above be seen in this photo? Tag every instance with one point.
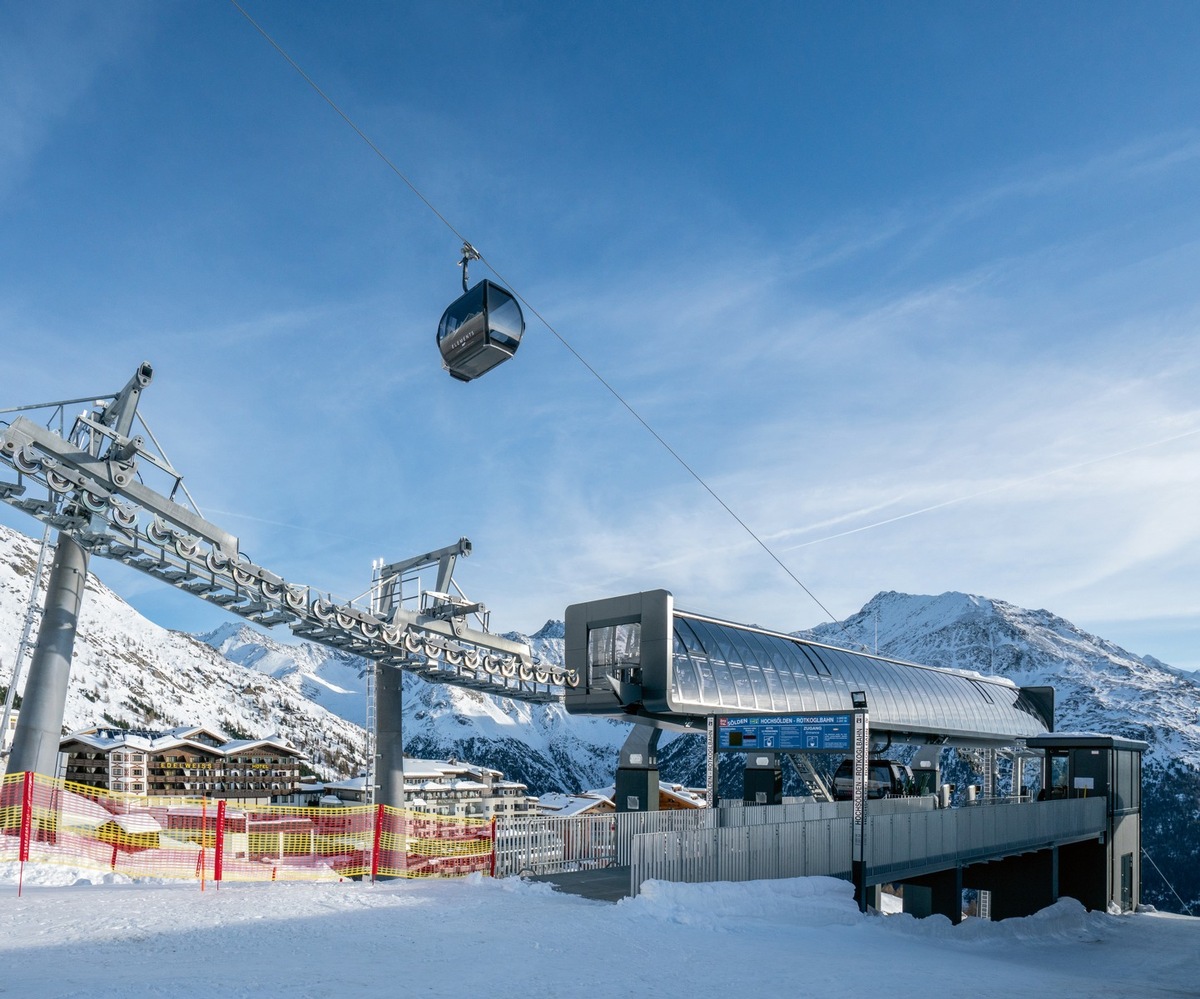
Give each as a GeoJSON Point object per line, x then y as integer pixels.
{"type": "Point", "coordinates": [26, 826]}
{"type": "Point", "coordinates": [377, 840]}
{"type": "Point", "coordinates": [493, 870]}
{"type": "Point", "coordinates": [219, 844]}
{"type": "Point", "coordinates": [203, 834]}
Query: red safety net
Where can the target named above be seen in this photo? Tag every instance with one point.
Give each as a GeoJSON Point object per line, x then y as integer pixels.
{"type": "Point", "coordinates": [49, 821]}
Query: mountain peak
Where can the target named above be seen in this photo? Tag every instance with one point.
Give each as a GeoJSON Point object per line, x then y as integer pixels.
{"type": "Point", "coordinates": [551, 629]}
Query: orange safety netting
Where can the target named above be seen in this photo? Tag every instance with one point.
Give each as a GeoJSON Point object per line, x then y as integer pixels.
{"type": "Point", "coordinates": [49, 821]}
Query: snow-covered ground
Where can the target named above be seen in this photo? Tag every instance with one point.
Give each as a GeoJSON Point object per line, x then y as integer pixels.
{"type": "Point", "coordinates": [66, 937]}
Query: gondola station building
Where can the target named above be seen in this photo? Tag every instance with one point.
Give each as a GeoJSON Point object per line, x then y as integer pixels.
{"type": "Point", "coordinates": [186, 762]}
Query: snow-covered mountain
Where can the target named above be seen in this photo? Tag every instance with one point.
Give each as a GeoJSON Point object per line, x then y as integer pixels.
{"type": "Point", "coordinates": [128, 671]}
{"type": "Point", "coordinates": [1099, 687]}
{"type": "Point", "coordinates": [538, 744]}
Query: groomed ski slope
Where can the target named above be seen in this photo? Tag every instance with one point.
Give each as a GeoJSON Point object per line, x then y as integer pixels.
{"type": "Point", "coordinates": [69, 937]}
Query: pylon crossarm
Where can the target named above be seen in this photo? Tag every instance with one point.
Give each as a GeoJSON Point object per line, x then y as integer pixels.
{"type": "Point", "coordinates": [94, 495]}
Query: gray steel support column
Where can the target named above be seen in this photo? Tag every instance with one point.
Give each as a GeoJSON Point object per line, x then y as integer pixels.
{"type": "Point", "coordinates": [762, 782]}
{"type": "Point", "coordinates": [389, 740]}
{"type": "Point", "coordinates": [637, 774]}
{"type": "Point", "coordinates": [39, 727]}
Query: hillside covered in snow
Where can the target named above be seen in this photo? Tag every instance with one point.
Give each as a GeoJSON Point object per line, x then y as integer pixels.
{"type": "Point", "coordinates": [129, 671]}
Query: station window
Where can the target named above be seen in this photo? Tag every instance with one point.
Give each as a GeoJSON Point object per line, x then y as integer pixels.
{"type": "Point", "coordinates": [617, 646]}
{"type": "Point", "coordinates": [1060, 767]}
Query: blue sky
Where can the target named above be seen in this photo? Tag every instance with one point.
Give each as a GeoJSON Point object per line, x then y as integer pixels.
{"type": "Point", "coordinates": [912, 287]}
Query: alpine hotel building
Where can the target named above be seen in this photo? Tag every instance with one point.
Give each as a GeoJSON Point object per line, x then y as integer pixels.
{"type": "Point", "coordinates": [185, 762]}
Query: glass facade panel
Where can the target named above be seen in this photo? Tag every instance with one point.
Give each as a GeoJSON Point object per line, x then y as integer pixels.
{"type": "Point", "coordinates": [775, 668]}
{"type": "Point", "coordinates": [719, 651]}
{"type": "Point", "coordinates": [684, 670]}
{"type": "Point", "coordinates": [758, 666]}
{"type": "Point", "coordinates": [813, 655]}
{"type": "Point", "coordinates": [698, 656]}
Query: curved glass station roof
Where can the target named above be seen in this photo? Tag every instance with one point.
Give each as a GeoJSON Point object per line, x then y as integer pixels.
{"type": "Point", "coordinates": [637, 655]}
{"type": "Point", "coordinates": [730, 668]}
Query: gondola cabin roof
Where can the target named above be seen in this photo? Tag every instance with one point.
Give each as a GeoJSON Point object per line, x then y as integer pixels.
{"type": "Point", "coordinates": [481, 329]}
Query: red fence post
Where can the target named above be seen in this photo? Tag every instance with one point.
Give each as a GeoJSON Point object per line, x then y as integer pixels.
{"type": "Point", "coordinates": [26, 827]}
{"type": "Point", "coordinates": [26, 815]}
{"type": "Point", "coordinates": [203, 836]}
{"type": "Point", "coordinates": [219, 842]}
{"type": "Point", "coordinates": [493, 870]}
{"type": "Point", "coordinates": [378, 839]}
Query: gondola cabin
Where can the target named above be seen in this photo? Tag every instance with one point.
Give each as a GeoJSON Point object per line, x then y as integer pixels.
{"type": "Point", "coordinates": [481, 329]}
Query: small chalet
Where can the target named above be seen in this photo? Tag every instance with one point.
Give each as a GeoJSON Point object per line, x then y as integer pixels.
{"type": "Point", "coordinates": [671, 797]}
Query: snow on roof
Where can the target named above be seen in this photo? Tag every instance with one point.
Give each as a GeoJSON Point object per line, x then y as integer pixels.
{"type": "Point", "coordinates": [108, 739]}
{"type": "Point", "coordinates": [191, 731]}
{"type": "Point", "coordinates": [137, 822]}
{"type": "Point", "coordinates": [76, 810]}
{"type": "Point", "coordinates": [691, 797]}
{"type": "Point", "coordinates": [196, 811]}
{"type": "Point", "coordinates": [238, 745]}
{"type": "Point", "coordinates": [572, 804]}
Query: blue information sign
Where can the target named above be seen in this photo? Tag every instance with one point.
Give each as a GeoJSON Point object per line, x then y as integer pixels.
{"type": "Point", "coordinates": [785, 733]}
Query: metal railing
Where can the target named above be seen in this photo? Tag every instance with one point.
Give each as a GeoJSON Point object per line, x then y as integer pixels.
{"type": "Point", "coordinates": [742, 853]}
{"type": "Point", "coordinates": [548, 844]}
{"type": "Point", "coordinates": [906, 839]}
{"type": "Point", "coordinates": [551, 844]}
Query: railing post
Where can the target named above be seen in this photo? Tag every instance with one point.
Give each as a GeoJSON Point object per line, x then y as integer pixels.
{"type": "Point", "coordinates": [493, 870]}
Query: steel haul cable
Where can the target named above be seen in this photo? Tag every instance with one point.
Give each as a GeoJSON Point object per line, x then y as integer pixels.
{"type": "Point", "coordinates": [542, 319]}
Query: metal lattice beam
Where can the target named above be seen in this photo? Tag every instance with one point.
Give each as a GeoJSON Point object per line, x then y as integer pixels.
{"type": "Point", "coordinates": [92, 493]}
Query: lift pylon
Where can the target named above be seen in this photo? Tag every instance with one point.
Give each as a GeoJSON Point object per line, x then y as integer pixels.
{"type": "Point", "coordinates": [94, 481]}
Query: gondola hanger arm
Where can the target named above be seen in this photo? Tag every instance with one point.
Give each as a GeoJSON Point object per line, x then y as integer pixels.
{"type": "Point", "coordinates": [469, 253]}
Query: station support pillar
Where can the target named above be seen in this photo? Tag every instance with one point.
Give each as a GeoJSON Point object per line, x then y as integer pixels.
{"type": "Point", "coordinates": [939, 893]}
{"type": "Point", "coordinates": [637, 772]}
{"type": "Point", "coordinates": [1020, 886]}
{"type": "Point", "coordinates": [763, 780]}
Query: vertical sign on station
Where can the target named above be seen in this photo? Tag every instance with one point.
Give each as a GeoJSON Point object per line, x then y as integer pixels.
{"type": "Point", "coordinates": [711, 765]}
{"type": "Point", "coordinates": [861, 742]}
